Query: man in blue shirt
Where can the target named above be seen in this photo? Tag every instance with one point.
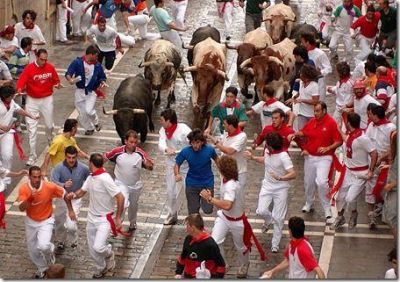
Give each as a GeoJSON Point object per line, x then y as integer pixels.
{"type": "Point", "coordinates": [71, 175]}
{"type": "Point", "coordinates": [89, 77]}
{"type": "Point", "coordinates": [200, 175]}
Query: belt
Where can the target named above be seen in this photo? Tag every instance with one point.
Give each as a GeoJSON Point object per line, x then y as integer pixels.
{"type": "Point", "coordinates": [81, 1]}
{"type": "Point", "coordinates": [179, 0]}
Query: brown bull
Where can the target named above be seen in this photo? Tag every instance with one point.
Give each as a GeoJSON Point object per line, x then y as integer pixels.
{"type": "Point", "coordinates": [279, 21]}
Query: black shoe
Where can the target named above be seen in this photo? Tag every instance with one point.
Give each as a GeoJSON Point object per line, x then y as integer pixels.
{"type": "Point", "coordinates": [228, 38]}
{"type": "Point", "coordinates": [89, 132]}
{"type": "Point", "coordinates": [60, 246]}
{"type": "Point", "coordinates": [98, 127]}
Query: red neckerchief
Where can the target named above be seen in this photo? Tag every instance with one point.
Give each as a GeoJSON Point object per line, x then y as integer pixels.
{"type": "Point", "coordinates": [311, 47]}
{"type": "Point", "coordinates": [274, 152]}
{"type": "Point", "coordinates": [201, 237]}
{"type": "Point", "coordinates": [87, 62]}
{"type": "Point", "coordinates": [236, 132]}
{"type": "Point", "coordinates": [294, 243]}
{"type": "Point", "coordinates": [381, 122]}
{"type": "Point", "coordinates": [270, 101]}
{"type": "Point", "coordinates": [170, 130]}
{"type": "Point", "coordinates": [352, 136]}
{"type": "Point", "coordinates": [344, 80]}
{"type": "Point", "coordinates": [99, 171]}
{"type": "Point", "coordinates": [224, 180]}
{"type": "Point", "coordinates": [7, 104]}
{"type": "Point", "coordinates": [31, 26]}
{"type": "Point", "coordinates": [235, 104]}
{"type": "Point", "coordinates": [363, 95]}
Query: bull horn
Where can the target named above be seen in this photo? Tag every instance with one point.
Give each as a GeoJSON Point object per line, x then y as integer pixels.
{"type": "Point", "coordinates": [231, 47]}
{"type": "Point", "coordinates": [189, 47]}
{"type": "Point", "coordinates": [191, 68]}
{"type": "Point", "coordinates": [262, 48]}
{"type": "Point", "coordinates": [169, 64]}
{"type": "Point", "coordinates": [223, 74]}
{"type": "Point", "coordinates": [112, 112]}
{"type": "Point", "coordinates": [145, 64]}
{"type": "Point", "coordinates": [276, 60]}
{"type": "Point", "coordinates": [138, 111]}
{"type": "Point", "coordinates": [245, 63]}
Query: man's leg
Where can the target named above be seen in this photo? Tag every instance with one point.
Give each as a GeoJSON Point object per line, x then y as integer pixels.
{"type": "Point", "coordinates": [355, 189]}
{"type": "Point", "coordinates": [6, 149]}
{"type": "Point", "coordinates": [334, 43]}
{"type": "Point", "coordinates": [31, 231]}
{"type": "Point", "coordinates": [348, 46]}
{"type": "Point", "coordinates": [228, 19]}
{"type": "Point", "coordinates": [323, 166]}
{"type": "Point", "coordinates": [90, 109]}
{"type": "Point", "coordinates": [133, 206]}
{"type": "Point", "coordinates": [45, 246]}
{"type": "Point", "coordinates": [237, 231]}
{"type": "Point", "coordinates": [278, 214]}
{"type": "Point", "coordinates": [371, 200]}
{"type": "Point", "coordinates": [71, 225]}
{"type": "Point", "coordinates": [219, 232]}
{"type": "Point", "coordinates": [172, 192]}
{"type": "Point", "coordinates": [60, 215]}
{"type": "Point", "coordinates": [310, 174]}
{"type": "Point", "coordinates": [80, 105]}
{"type": "Point", "coordinates": [206, 206]}
{"type": "Point", "coordinates": [76, 17]}
{"type": "Point", "coordinates": [32, 106]}
{"type": "Point", "coordinates": [97, 234]}
{"type": "Point", "coordinates": [61, 32]}
{"type": "Point", "coordinates": [264, 201]}
{"type": "Point", "coordinates": [46, 110]}
{"type": "Point", "coordinates": [180, 14]}
{"type": "Point", "coordinates": [193, 200]}
{"type": "Point", "coordinates": [109, 59]}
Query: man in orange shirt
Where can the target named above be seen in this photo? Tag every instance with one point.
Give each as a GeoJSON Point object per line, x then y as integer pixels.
{"type": "Point", "coordinates": [36, 197]}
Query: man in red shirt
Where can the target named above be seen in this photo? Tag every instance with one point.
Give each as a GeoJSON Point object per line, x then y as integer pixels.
{"type": "Point", "coordinates": [320, 137]}
{"type": "Point", "coordinates": [38, 79]}
{"type": "Point", "coordinates": [368, 29]}
{"type": "Point", "coordinates": [278, 125]}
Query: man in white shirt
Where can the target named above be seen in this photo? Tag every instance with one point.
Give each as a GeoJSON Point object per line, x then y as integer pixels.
{"type": "Point", "coordinates": [8, 42]}
{"type": "Point", "coordinates": [358, 166]}
{"type": "Point", "coordinates": [268, 105]}
{"type": "Point", "coordinates": [107, 40]}
{"type": "Point", "coordinates": [173, 138]}
{"type": "Point", "coordinates": [5, 75]}
{"type": "Point", "coordinates": [102, 193]}
{"type": "Point", "coordinates": [129, 159]}
{"type": "Point", "coordinates": [320, 60]}
{"type": "Point", "coordinates": [28, 28]}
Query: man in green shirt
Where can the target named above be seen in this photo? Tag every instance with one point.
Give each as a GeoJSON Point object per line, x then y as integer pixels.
{"type": "Point", "coordinates": [254, 9]}
{"type": "Point", "coordinates": [166, 25]}
{"type": "Point", "coordinates": [388, 30]}
{"type": "Point", "coordinates": [230, 106]}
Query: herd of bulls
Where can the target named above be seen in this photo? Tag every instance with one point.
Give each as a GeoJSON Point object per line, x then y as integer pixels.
{"type": "Point", "coordinates": [264, 57]}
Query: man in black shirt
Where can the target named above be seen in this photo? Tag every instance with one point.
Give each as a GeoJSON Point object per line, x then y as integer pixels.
{"type": "Point", "coordinates": [388, 31]}
{"type": "Point", "coordinates": [254, 16]}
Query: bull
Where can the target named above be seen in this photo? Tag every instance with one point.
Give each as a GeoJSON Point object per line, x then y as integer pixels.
{"type": "Point", "coordinates": [161, 64]}
{"type": "Point", "coordinates": [253, 43]}
{"type": "Point", "coordinates": [301, 28]}
{"type": "Point", "coordinates": [279, 21]}
{"type": "Point", "coordinates": [273, 67]}
{"type": "Point", "coordinates": [208, 73]}
{"type": "Point", "coordinates": [133, 106]}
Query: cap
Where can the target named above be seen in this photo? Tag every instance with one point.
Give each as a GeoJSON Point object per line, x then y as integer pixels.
{"type": "Point", "coordinates": [359, 84]}
{"type": "Point", "coordinates": [8, 29]}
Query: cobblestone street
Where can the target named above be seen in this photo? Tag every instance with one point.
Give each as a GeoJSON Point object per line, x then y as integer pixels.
{"type": "Point", "coordinates": [152, 251]}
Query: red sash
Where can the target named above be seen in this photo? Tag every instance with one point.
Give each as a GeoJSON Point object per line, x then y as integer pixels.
{"type": "Point", "coordinates": [339, 184]}
{"type": "Point", "coordinates": [114, 229]}
{"type": "Point", "coordinates": [248, 234]}
{"type": "Point", "coordinates": [18, 144]}
{"type": "Point", "coordinates": [380, 183]}
{"type": "Point", "coordinates": [352, 136]}
{"type": "Point", "coordinates": [2, 211]}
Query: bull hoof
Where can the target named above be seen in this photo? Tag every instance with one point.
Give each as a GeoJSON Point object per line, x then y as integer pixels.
{"type": "Point", "coordinates": [157, 102]}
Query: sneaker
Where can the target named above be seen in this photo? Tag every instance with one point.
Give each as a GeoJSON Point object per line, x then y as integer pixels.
{"type": "Point", "coordinates": [265, 227]}
{"type": "Point", "coordinates": [132, 228]}
{"type": "Point", "coordinates": [339, 222]}
{"type": "Point", "coordinates": [307, 208]}
{"type": "Point", "coordinates": [242, 272]}
{"type": "Point", "coordinates": [228, 38]}
{"type": "Point", "coordinates": [39, 275]}
{"type": "Point", "coordinates": [378, 210]}
{"type": "Point", "coordinates": [171, 219]}
{"type": "Point", "coordinates": [98, 127]}
{"type": "Point", "coordinates": [274, 249]}
{"type": "Point", "coordinates": [110, 262]}
{"type": "Point", "coordinates": [60, 246]}
{"type": "Point", "coordinates": [353, 220]}
{"type": "Point", "coordinates": [328, 213]}
{"type": "Point", "coordinates": [372, 220]}
{"type": "Point", "coordinates": [52, 258]}
{"type": "Point", "coordinates": [89, 132]}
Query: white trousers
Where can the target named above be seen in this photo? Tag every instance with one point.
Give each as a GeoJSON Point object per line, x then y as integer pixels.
{"type": "Point", "coordinates": [178, 12]}
{"type": "Point", "coordinates": [66, 230]}
{"type": "Point", "coordinates": [141, 21]}
{"type": "Point", "coordinates": [6, 148]}
{"type": "Point", "coordinates": [81, 22]}
{"type": "Point", "coordinates": [172, 36]}
{"type": "Point", "coordinates": [131, 195]}
{"type": "Point", "coordinates": [369, 186]}
{"type": "Point", "coordinates": [322, 89]}
{"type": "Point", "coordinates": [61, 31]}
{"type": "Point", "coordinates": [85, 104]}
{"type": "Point", "coordinates": [347, 42]}
{"type": "Point", "coordinates": [316, 171]}
{"type": "Point", "coordinates": [365, 48]}
{"type": "Point", "coordinates": [111, 22]}
{"type": "Point", "coordinates": [44, 107]}
{"type": "Point", "coordinates": [97, 231]}
{"type": "Point", "coordinates": [277, 216]}
{"type": "Point", "coordinates": [222, 227]}
{"type": "Point", "coordinates": [352, 186]}
{"type": "Point", "coordinates": [227, 16]}
{"type": "Point", "coordinates": [38, 240]}
{"type": "Point", "coordinates": [337, 116]}
{"type": "Point", "coordinates": [173, 188]}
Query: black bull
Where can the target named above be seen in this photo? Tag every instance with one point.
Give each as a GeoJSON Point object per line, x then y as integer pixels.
{"type": "Point", "coordinates": [133, 106]}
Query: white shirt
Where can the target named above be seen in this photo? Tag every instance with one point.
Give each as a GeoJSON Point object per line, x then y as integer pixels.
{"type": "Point", "coordinates": [380, 136]}
{"type": "Point", "coordinates": [4, 43]}
{"type": "Point", "coordinates": [307, 93]}
{"type": "Point", "coordinates": [3, 174]}
{"type": "Point", "coordinates": [321, 61]}
{"type": "Point", "coordinates": [6, 116]}
{"type": "Point", "coordinates": [178, 142]}
{"type": "Point", "coordinates": [4, 72]}
{"type": "Point", "coordinates": [344, 93]}
{"type": "Point", "coordinates": [359, 71]}
{"type": "Point", "coordinates": [302, 258]}
{"type": "Point", "coordinates": [238, 143]}
{"type": "Point", "coordinates": [393, 105]}
{"type": "Point", "coordinates": [105, 40]}
{"type": "Point", "coordinates": [360, 150]}
{"type": "Point", "coordinates": [102, 190]}
{"type": "Point", "coordinates": [265, 111]}
{"type": "Point", "coordinates": [230, 192]}
{"type": "Point", "coordinates": [360, 107]}
{"type": "Point", "coordinates": [89, 68]}
{"type": "Point", "coordinates": [277, 164]}
{"type": "Point", "coordinates": [35, 33]}
{"type": "Point", "coordinates": [390, 274]}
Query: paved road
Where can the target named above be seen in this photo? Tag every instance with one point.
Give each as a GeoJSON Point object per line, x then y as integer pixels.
{"type": "Point", "coordinates": [152, 251]}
